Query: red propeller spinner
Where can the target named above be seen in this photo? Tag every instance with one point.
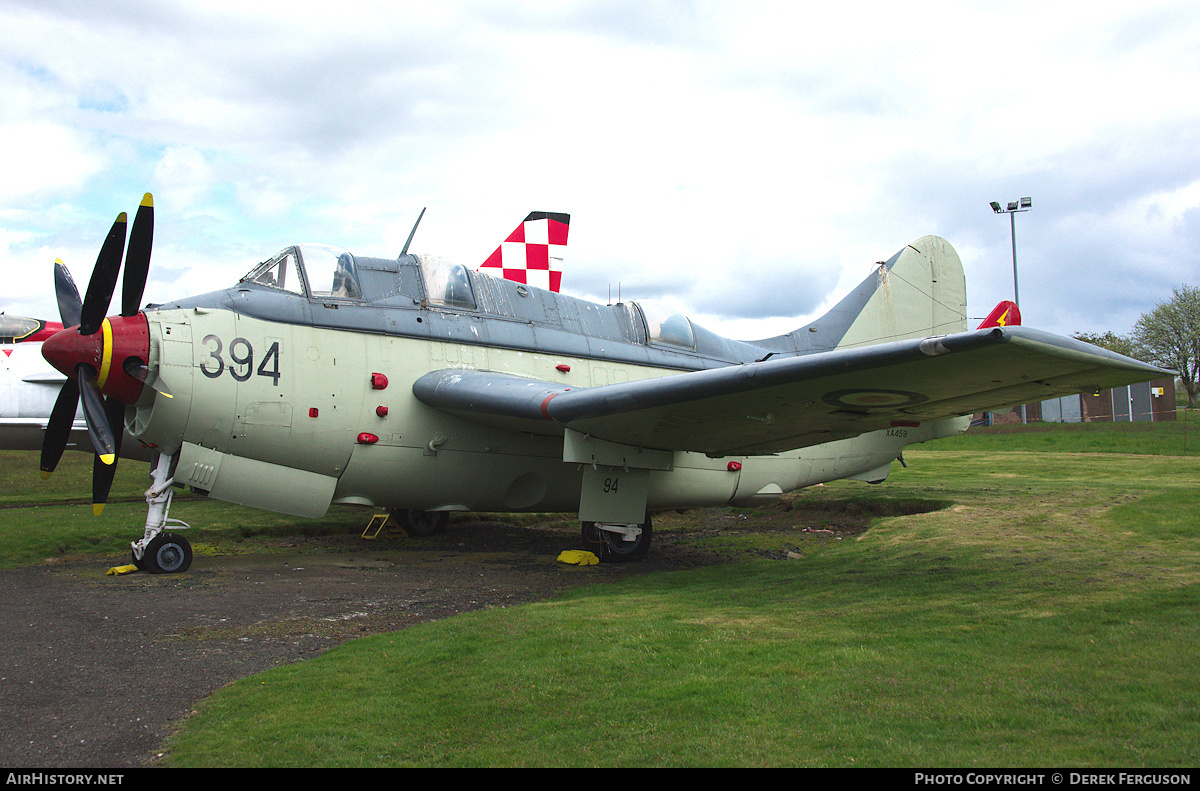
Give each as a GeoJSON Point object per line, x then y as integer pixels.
{"type": "Point", "coordinates": [121, 341]}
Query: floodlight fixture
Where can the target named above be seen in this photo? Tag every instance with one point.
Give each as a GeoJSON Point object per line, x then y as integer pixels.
{"type": "Point", "coordinates": [1014, 207]}
{"type": "Point", "coordinates": [1024, 204]}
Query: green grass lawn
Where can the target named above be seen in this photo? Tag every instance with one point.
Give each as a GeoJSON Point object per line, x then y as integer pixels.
{"type": "Point", "coordinates": [1048, 616]}
{"type": "Point", "coordinates": [1045, 613]}
{"type": "Point", "coordinates": [1179, 437]}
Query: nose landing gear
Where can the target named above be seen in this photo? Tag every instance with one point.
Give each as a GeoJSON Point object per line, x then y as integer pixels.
{"type": "Point", "coordinates": [158, 552]}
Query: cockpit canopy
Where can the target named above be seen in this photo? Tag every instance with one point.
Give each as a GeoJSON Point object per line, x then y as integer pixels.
{"type": "Point", "coordinates": [16, 327]}
{"type": "Point", "coordinates": [327, 271]}
{"type": "Point", "coordinates": [331, 277]}
{"type": "Point", "coordinates": [320, 271]}
{"type": "Point", "coordinates": [447, 284]}
{"type": "Point", "coordinates": [665, 325]}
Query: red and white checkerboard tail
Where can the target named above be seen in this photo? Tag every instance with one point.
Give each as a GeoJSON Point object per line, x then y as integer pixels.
{"type": "Point", "coordinates": [533, 252]}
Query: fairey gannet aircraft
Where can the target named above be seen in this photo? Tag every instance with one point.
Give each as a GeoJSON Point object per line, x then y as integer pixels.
{"type": "Point", "coordinates": [414, 385]}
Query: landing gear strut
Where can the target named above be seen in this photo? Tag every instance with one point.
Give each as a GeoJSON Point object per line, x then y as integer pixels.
{"type": "Point", "coordinates": [618, 543]}
{"type": "Point", "coordinates": [159, 552]}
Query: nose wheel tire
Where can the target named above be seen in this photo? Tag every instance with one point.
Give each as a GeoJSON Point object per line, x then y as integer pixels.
{"type": "Point", "coordinates": [167, 553]}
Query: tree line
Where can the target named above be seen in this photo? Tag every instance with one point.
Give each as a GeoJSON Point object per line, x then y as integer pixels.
{"type": "Point", "coordinates": [1169, 336]}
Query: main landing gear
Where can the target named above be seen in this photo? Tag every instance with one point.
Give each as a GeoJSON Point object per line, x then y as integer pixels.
{"type": "Point", "coordinates": [618, 543]}
{"type": "Point", "coordinates": [421, 523]}
{"type": "Point", "coordinates": [158, 552]}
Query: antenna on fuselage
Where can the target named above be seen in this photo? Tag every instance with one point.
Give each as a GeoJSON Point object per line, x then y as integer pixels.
{"type": "Point", "coordinates": [411, 233]}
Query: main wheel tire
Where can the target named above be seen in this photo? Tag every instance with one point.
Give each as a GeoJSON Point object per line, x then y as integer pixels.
{"type": "Point", "coordinates": [421, 523]}
{"type": "Point", "coordinates": [613, 548]}
{"type": "Point", "coordinates": [167, 553]}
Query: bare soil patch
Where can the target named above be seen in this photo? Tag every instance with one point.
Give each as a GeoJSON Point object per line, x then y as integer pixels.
{"type": "Point", "coordinates": [98, 670]}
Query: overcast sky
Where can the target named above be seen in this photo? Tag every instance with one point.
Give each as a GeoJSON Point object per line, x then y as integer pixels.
{"type": "Point", "coordinates": [750, 161]}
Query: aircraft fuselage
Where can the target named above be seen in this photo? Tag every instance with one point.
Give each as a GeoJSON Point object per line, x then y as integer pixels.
{"type": "Point", "coordinates": [292, 418]}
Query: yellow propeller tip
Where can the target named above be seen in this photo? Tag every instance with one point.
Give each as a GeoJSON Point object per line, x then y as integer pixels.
{"type": "Point", "coordinates": [97, 509]}
{"type": "Point", "coordinates": [59, 261]}
{"type": "Point", "coordinates": [147, 199]}
{"type": "Point", "coordinates": [122, 217]}
{"type": "Point", "coordinates": [45, 475]}
{"type": "Point", "coordinates": [108, 458]}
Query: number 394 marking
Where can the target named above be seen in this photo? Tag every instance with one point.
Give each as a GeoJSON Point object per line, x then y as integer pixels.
{"type": "Point", "coordinates": [241, 360]}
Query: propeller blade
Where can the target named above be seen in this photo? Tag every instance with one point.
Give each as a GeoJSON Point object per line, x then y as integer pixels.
{"type": "Point", "coordinates": [146, 375]}
{"type": "Point", "coordinates": [69, 303]}
{"type": "Point", "coordinates": [58, 430]}
{"type": "Point", "coordinates": [103, 474]}
{"type": "Point", "coordinates": [99, 429]}
{"type": "Point", "coordinates": [137, 258]}
{"type": "Point", "coordinates": [104, 279]}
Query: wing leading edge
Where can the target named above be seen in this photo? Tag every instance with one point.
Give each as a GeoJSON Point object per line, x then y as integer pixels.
{"type": "Point", "coordinates": [789, 403]}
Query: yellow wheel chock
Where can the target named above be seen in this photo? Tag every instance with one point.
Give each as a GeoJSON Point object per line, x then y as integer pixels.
{"type": "Point", "coordinates": [377, 525]}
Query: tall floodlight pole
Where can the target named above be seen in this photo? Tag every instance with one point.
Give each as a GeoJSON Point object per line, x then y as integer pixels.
{"type": "Point", "coordinates": [1013, 208]}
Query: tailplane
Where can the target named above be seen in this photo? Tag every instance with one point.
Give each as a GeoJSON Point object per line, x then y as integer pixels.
{"type": "Point", "coordinates": [533, 252]}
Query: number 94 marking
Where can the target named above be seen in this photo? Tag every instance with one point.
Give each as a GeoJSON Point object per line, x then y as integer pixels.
{"type": "Point", "coordinates": [241, 360]}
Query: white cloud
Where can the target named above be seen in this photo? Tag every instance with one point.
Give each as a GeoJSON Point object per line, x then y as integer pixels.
{"type": "Point", "coordinates": [710, 149]}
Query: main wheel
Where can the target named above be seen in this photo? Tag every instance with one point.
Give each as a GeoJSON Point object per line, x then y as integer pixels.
{"type": "Point", "coordinates": [167, 553]}
{"type": "Point", "coordinates": [613, 548]}
{"type": "Point", "coordinates": [421, 523]}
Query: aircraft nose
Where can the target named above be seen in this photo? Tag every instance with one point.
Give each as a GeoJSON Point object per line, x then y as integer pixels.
{"type": "Point", "coordinates": [119, 340]}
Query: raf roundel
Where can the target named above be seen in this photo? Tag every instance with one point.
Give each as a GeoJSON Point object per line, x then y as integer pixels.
{"type": "Point", "coordinates": [872, 399]}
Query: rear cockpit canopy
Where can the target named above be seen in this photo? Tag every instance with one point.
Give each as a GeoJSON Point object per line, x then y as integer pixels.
{"type": "Point", "coordinates": [665, 325]}
{"type": "Point", "coordinates": [447, 284]}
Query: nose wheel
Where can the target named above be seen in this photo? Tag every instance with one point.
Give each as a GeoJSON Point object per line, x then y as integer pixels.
{"type": "Point", "coordinates": [167, 553]}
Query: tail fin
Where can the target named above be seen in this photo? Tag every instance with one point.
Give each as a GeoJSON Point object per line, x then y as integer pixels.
{"type": "Point", "coordinates": [1006, 314]}
{"type": "Point", "coordinates": [919, 292]}
{"type": "Point", "coordinates": [533, 252]}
